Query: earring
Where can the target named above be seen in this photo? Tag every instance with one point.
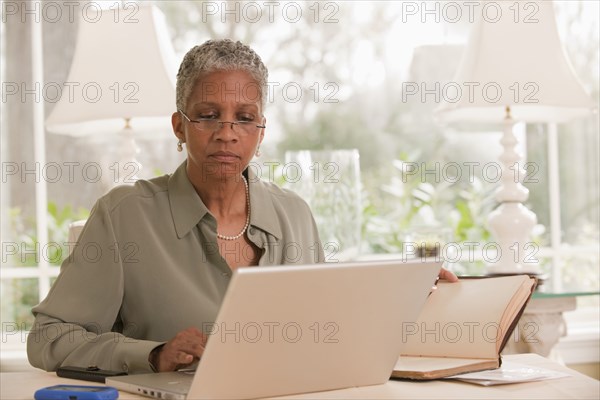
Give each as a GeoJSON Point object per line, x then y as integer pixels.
{"type": "Point", "coordinates": [179, 146]}
{"type": "Point", "coordinates": [257, 152]}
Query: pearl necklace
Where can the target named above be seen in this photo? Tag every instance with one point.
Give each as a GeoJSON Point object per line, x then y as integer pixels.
{"type": "Point", "coordinates": [225, 237]}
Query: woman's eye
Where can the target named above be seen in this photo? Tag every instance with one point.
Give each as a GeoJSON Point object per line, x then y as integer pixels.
{"type": "Point", "coordinates": [207, 116]}
{"type": "Point", "coordinates": [246, 118]}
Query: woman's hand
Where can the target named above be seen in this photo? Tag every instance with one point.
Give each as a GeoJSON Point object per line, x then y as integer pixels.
{"type": "Point", "coordinates": [447, 275]}
{"type": "Point", "coordinates": [181, 351]}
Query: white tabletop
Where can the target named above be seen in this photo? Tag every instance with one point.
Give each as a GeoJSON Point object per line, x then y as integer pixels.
{"type": "Point", "coordinates": [22, 385]}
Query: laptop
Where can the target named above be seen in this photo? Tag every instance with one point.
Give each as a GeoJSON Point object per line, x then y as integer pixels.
{"type": "Point", "coordinates": [298, 329]}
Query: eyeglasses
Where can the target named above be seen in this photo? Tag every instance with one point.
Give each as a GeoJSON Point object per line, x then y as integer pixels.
{"type": "Point", "coordinates": [209, 125]}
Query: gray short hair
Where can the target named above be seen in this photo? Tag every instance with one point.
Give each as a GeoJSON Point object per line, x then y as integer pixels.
{"type": "Point", "coordinates": [218, 55]}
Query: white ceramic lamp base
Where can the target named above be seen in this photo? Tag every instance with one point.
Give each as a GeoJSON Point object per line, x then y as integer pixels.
{"type": "Point", "coordinates": [129, 166]}
{"type": "Point", "coordinates": [511, 223]}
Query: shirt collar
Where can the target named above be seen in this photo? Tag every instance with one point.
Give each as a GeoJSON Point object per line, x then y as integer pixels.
{"type": "Point", "coordinates": [187, 207]}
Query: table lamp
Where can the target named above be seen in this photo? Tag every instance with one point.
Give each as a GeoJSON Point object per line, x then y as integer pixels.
{"type": "Point", "coordinates": [122, 79]}
{"type": "Point", "coordinates": [514, 68]}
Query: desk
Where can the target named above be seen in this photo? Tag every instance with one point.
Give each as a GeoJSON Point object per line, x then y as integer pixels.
{"type": "Point", "coordinates": [22, 385]}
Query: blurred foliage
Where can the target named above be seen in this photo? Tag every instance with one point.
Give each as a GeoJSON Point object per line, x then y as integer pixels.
{"type": "Point", "coordinates": [444, 210]}
{"type": "Point", "coordinates": [19, 295]}
{"type": "Point", "coordinates": [30, 250]}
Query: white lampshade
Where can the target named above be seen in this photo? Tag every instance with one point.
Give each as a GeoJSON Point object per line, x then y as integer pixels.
{"type": "Point", "coordinates": [525, 60]}
{"type": "Point", "coordinates": [133, 64]}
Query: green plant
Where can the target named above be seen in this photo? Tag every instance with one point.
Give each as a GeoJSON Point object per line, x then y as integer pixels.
{"type": "Point", "coordinates": [23, 227]}
{"type": "Point", "coordinates": [19, 295]}
{"type": "Point", "coordinates": [412, 202]}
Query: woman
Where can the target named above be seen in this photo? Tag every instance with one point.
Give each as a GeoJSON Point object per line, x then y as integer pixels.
{"type": "Point", "coordinates": [154, 259]}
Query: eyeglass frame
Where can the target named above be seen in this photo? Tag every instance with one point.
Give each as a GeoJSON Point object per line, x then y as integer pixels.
{"type": "Point", "coordinates": [220, 122]}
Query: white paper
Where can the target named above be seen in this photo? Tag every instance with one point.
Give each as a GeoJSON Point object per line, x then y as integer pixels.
{"type": "Point", "coordinates": [509, 372]}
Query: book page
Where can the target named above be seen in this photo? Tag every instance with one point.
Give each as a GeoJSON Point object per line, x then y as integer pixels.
{"type": "Point", "coordinates": [426, 364]}
{"type": "Point", "coordinates": [462, 319]}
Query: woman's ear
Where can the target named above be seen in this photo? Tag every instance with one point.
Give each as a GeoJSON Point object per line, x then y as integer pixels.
{"type": "Point", "coordinates": [177, 123]}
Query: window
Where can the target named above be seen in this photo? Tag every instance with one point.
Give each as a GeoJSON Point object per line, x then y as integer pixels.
{"type": "Point", "coordinates": [338, 74]}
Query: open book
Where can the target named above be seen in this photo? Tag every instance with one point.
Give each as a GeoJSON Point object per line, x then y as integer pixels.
{"type": "Point", "coordinates": [463, 327]}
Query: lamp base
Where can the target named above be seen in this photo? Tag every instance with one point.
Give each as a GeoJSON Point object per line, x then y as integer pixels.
{"type": "Point", "coordinates": [118, 159]}
{"type": "Point", "coordinates": [129, 166]}
{"type": "Point", "coordinates": [511, 223]}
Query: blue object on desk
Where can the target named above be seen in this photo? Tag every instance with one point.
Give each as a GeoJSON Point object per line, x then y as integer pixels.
{"type": "Point", "coordinates": [76, 392]}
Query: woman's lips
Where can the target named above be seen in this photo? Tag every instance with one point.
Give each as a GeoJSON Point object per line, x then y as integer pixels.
{"type": "Point", "coordinates": [225, 156]}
